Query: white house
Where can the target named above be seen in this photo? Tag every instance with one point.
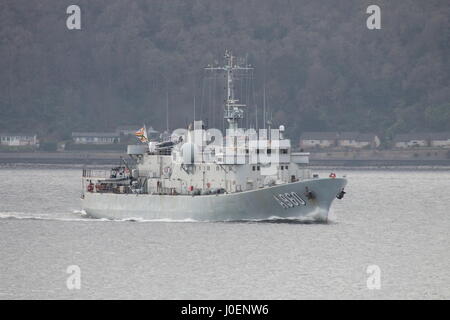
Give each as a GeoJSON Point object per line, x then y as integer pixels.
{"type": "Point", "coordinates": [358, 140]}
{"type": "Point", "coordinates": [441, 139]}
{"type": "Point", "coordinates": [18, 139]}
{"type": "Point", "coordinates": [410, 140]}
{"type": "Point", "coordinates": [95, 137]}
{"type": "Point", "coordinates": [318, 139]}
{"type": "Point", "coordinates": [354, 140]}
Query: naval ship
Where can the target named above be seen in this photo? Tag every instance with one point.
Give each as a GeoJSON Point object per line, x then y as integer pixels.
{"type": "Point", "coordinates": [202, 175]}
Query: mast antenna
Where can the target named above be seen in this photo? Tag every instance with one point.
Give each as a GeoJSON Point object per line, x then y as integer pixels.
{"type": "Point", "coordinates": [233, 110]}
{"type": "Point", "coordinates": [167, 108]}
{"type": "Point", "coordinates": [264, 104]}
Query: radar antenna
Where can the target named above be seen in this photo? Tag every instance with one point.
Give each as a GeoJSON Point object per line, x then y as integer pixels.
{"type": "Point", "coordinates": [233, 110]}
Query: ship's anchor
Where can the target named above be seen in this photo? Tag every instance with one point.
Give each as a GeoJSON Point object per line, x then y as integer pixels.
{"type": "Point", "coordinates": [341, 194]}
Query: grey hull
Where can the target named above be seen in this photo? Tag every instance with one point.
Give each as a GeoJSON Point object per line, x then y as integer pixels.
{"type": "Point", "coordinates": [249, 205]}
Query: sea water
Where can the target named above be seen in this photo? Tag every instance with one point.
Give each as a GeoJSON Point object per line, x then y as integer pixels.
{"type": "Point", "coordinates": [388, 238]}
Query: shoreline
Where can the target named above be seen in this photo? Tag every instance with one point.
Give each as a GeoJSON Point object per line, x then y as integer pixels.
{"type": "Point", "coordinates": [318, 168]}
{"type": "Point", "coordinates": [384, 168]}
{"type": "Point", "coordinates": [106, 159]}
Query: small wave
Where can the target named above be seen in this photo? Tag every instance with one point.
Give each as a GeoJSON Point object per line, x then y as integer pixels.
{"type": "Point", "coordinates": [286, 220]}
{"type": "Point", "coordinates": [318, 216]}
{"type": "Point", "coordinates": [132, 219]}
{"type": "Point", "coordinates": [157, 220]}
{"type": "Point", "coordinates": [24, 217]}
{"type": "Point", "coordinates": [315, 217]}
{"type": "Point", "coordinates": [47, 217]}
{"type": "Point", "coordinates": [80, 215]}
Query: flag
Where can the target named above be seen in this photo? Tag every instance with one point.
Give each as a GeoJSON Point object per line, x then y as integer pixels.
{"type": "Point", "coordinates": [141, 134]}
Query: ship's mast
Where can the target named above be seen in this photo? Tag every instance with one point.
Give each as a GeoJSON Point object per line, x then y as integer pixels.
{"type": "Point", "coordinates": [233, 111]}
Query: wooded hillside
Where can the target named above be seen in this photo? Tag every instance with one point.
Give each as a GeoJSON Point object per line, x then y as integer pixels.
{"type": "Point", "coordinates": [323, 69]}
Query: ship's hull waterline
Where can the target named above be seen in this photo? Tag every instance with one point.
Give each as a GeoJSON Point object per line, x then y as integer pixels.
{"type": "Point", "coordinates": [280, 201]}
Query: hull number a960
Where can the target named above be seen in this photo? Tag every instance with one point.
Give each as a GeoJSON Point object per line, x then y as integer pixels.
{"type": "Point", "coordinates": [289, 200]}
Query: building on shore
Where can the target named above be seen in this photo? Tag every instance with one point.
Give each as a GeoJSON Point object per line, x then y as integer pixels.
{"type": "Point", "coordinates": [95, 137]}
{"type": "Point", "coordinates": [410, 140]}
{"type": "Point", "coordinates": [356, 140]}
{"type": "Point", "coordinates": [18, 139]}
{"type": "Point", "coordinates": [440, 140]}
{"type": "Point", "coordinates": [428, 139]}
{"type": "Point", "coordinates": [310, 140]}
{"type": "Point", "coordinates": [339, 140]}
{"type": "Point", "coordinates": [127, 130]}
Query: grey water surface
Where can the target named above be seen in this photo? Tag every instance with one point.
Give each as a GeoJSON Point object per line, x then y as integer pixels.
{"type": "Point", "coordinates": [396, 220]}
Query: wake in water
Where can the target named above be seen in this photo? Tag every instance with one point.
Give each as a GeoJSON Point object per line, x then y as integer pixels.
{"type": "Point", "coordinates": [282, 221]}
{"type": "Point", "coordinates": [75, 216]}
{"type": "Point", "coordinates": [316, 217]}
